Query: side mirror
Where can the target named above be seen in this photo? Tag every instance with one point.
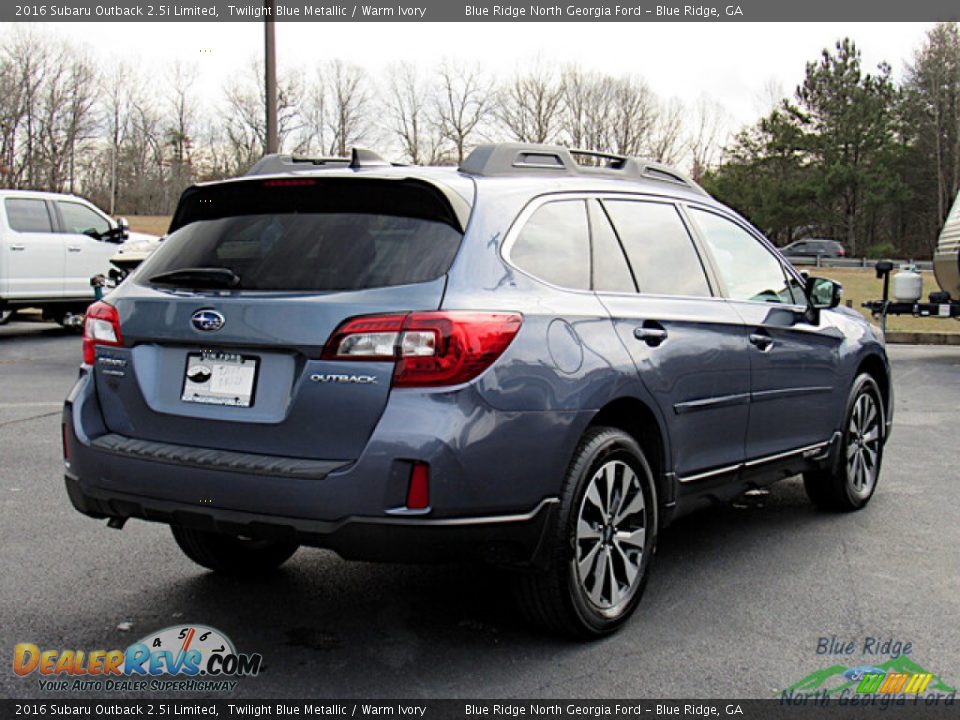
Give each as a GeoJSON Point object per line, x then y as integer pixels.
{"type": "Point", "coordinates": [123, 228]}
{"type": "Point", "coordinates": [823, 294]}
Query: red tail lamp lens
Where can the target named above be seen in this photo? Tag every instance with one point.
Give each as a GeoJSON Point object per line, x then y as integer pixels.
{"type": "Point", "coordinates": [100, 327]}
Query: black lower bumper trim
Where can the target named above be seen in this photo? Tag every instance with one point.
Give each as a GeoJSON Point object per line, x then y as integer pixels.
{"type": "Point", "coordinates": [217, 459]}
{"type": "Point", "coordinates": [515, 540]}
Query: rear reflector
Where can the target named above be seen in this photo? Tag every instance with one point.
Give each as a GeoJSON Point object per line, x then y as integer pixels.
{"type": "Point", "coordinates": [66, 446]}
{"type": "Point", "coordinates": [418, 493]}
{"type": "Point", "coordinates": [430, 348]}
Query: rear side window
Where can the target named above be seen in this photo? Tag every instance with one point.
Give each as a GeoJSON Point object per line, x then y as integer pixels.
{"type": "Point", "coordinates": [661, 252]}
{"type": "Point", "coordinates": [314, 236]}
{"type": "Point", "coordinates": [25, 215]}
{"type": "Point", "coordinates": [81, 220]}
{"type": "Point", "coordinates": [554, 244]}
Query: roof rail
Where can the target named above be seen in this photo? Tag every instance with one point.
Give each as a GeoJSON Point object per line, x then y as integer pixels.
{"type": "Point", "coordinates": [523, 158]}
{"type": "Point", "coordinates": [275, 164]}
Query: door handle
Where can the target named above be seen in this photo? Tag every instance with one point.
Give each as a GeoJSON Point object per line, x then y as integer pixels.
{"type": "Point", "coordinates": [73, 248]}
{"type": "Point", "coordinates": [17, 248]}
{"type": "Point", "coordinates": [761, 340]}
{"type": "Point", "coordinates": [651, 333]}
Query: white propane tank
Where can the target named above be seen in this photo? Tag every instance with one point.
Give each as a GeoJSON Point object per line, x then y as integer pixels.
{"type": "Point", "coordinates": [908, 284]}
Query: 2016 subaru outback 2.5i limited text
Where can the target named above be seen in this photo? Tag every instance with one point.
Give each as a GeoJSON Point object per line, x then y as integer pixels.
{"type": "Point", "coordinates": [537, 359]}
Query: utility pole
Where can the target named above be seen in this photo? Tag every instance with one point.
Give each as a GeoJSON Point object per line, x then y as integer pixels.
{"type": "Point", "coordinates": [270, 76]}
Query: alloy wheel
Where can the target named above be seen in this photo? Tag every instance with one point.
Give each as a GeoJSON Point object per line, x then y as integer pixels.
{"type": "Point", "coordinates": [610, 537]}
{"type": "Point", "coordinates": [863, 445]}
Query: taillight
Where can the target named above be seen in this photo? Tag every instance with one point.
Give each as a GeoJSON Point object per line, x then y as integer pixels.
{"type": "Point", "coordinates": [430, 348]}
{"type": "Point", "coordinates": [101, 327]}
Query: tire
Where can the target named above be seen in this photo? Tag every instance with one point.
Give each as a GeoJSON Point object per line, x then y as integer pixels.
{"type": "Point", "coordinates": [576, 595]}
{"type": "Point", "coordinates": [851, 482]}
{"type": "Point", "coordinates": [232, 555]}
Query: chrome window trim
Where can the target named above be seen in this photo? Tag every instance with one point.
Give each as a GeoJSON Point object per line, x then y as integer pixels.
{"type": "Point", "coordinates": [540, 200]}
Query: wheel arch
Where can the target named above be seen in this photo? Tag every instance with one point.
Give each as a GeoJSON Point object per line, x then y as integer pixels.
{"type": "Point", "coordinates": [874, 366]}
{"type": "Point", "coordinates": [637, 419]}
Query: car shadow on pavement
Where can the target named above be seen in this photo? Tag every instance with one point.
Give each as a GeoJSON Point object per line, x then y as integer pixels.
{"type": "Point", "coordinates": [319, 603]}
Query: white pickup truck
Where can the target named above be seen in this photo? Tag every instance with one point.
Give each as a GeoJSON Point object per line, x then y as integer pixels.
{"type": "Point", "coordinates": [50, 247]}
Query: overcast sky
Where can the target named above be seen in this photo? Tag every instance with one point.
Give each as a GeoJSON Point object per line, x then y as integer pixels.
{"type": "Point", "coordinates": [736, 63]}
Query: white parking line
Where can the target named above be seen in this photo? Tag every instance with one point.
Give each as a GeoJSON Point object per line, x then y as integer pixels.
{"type": "Point", "coordinates": [9, 406]}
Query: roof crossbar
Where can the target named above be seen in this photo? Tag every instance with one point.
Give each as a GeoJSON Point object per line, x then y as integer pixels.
{"type": "Point", "coordinates": [524, 158]}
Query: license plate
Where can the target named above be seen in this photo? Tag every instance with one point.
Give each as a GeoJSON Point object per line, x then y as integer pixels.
{"type": "Point", "coordinates": [220, 378]}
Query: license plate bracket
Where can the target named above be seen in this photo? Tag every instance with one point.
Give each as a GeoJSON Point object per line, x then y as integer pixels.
{"type": "Point", "coordinates": [215, 377]}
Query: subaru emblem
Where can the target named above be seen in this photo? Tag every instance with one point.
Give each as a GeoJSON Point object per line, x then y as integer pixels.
{"type": "Point", "coordinates": [207, 320]}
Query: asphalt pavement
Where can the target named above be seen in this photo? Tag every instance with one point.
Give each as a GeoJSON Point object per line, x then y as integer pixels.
{"type": "Point", "coordinates": [739, 598]}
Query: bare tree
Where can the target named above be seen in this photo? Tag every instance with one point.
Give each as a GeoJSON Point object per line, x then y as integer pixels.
{"type": "Point", "coordinates": [586, 109]}
{"type": "Point", "coordinates": [529, 106]}
{"type": "Point", "coordinates": [769, 97]}
{"type": "Point", "coordinates": [633, 113]}
{"type": "Point", "coordinates": [708, 134]}
{"type": "Point", "coordinates": [144, 159]}
{"type": "Point", "coordinates": [24, 71]}
{"type": "Point", "coordinates": [117, 96]}
{"type": "Point", "coordinates": [12, 114]}
{"type": "Point", "coordinates": [47, 111]}
{"type": "Point", "coordinates": [65, 114]}
{"type": "Point", "coordinates": [410, 115]}
{"type": "Point", "coordinates": [180, 80]}
{"type": "Point", "coordinates": [666, 143]}
{"type": "Point", "coordinates": [464, 102]}
{"type": "Point", "coordinates": [348, 106]}
{"type": "Point", "coordinates": [245, 123]}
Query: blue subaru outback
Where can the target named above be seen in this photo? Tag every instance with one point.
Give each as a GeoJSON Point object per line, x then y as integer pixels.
{"type": "Point", "coordinates": [537, 359]}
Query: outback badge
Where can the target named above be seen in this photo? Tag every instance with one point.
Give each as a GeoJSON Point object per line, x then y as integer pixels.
{"type": "Point", "coordinates": [340, 378]}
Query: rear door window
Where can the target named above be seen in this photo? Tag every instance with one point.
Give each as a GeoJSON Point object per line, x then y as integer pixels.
{"type": "Point", "coordinates": [661, 252]}
{"type": "Point", "coordinates": [315, 236]}
{"type": "Point", "coordinates": [28, 215]}
{"type": "Point", "coordinates": [554, 244]}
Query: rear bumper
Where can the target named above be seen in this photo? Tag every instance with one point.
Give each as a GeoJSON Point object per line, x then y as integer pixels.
{"type": "Point", "coordinates": [480, 506]}
{"type": "Point", "coordinates": [516, 540]}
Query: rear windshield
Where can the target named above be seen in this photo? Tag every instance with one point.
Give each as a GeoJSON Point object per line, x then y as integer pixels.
{"type": "Point", "coordinates": [311, 235]}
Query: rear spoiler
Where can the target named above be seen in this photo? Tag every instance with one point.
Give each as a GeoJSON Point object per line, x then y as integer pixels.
{"type": "Point", "coordinates": [349, 190]}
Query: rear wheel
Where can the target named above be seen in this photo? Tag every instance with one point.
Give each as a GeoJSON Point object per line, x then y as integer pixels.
{"type": "Point", "coordinates": [851, 483]}
{"type": "Point", "coordinates": [602, 544]}
{"type": "Point", "coordinates": [232, 555]}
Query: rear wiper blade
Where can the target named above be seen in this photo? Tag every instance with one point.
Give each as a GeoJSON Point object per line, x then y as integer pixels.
{"type": "Point", "coordinates": [198, 277]}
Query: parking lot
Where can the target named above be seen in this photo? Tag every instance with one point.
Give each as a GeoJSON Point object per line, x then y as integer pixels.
{"type": "Point", "coordinates": [739, 598]}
